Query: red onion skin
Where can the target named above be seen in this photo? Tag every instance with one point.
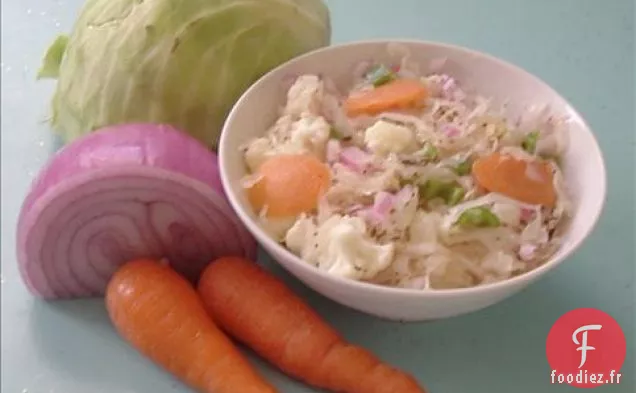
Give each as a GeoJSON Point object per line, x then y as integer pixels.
{"type": "Point", "coordinates": [157, 155]}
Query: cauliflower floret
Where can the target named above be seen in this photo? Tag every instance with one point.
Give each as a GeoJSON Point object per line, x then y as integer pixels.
{"type": "Point", "coordinates": [309, 134]}
{"type": "Point", "coordinates": [305, 95]}
{"type": "Point", "coordinates": [385, 137]}
{"type": "Point", "coordinates": [257, 152]}
{"type": "Point", "coordinates": [300, 238]}
{"type": "Point", "coordinates": [281, 130]}
{"type": "Point", "coordinates": [339, 246]}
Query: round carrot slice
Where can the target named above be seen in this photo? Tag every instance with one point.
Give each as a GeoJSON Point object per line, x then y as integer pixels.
{"type": "Point", "coordinates": [529, 182]}
{"type": "Point", "coordinates": [289, 184]}
{"type": "Point", "coordinates": [400, 93]}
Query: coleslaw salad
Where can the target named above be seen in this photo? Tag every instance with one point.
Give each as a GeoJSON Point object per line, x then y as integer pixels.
{"type": "Point", "coordinates": [405, 207]}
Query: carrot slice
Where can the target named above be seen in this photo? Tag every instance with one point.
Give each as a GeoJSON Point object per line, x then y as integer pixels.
{"type": "Point", "coordinates": [529, 182]}
{"type": "Point", "coordinates": [400, 93]}
{"type": "Point", "coordinates": [161, 315]}
{"type": "Point", "coordinates": [257, 309]}
{"type": "Point", "coordinates": [289, 184]}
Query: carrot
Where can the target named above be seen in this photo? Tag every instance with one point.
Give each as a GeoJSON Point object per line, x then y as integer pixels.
{"type": "Point", "coordinates": [289, 184]}
{"type": "Point", "coordinates": [257, 309]}
{"type": "Point", "coordinates": [529, 182]}
{"type": "Point", "coordinates": [161, 315]}
{"type": "Point", "coordinates": [400, 93]}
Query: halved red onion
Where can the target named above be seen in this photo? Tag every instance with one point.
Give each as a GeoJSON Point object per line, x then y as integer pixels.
{"type": "Point", "coordinates": [121, 193]}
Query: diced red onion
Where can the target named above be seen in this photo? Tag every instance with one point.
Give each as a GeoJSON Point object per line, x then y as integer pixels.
{"type": "Point", "coordinates": [122, 193]}
{"type": "Point", "coordinates": [379, 211]}
{"type": "Point", "coordinates": [527, 251]}
{"type": "Point", "coordinates": [526, 214]}
{"type": "Point", "coordinates": [384, 202]}
{"type": "Point", "coordinates": [355, 158]}
{"type": "Point", "coordinates": [450, 131]}
{"type": "Point", "coordinates": [450, 89]}
{"type": "Point", "coordinates": [449, 84]}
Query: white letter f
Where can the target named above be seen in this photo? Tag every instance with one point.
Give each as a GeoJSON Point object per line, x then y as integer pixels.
{"type": "Point", "coordinates": [584, 347]}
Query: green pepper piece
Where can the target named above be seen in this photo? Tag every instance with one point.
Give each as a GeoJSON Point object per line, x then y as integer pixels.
{"type": "Point", "coordinates": [455, 195]}
{"type": "Point", "coordinates": [464, 168]}
{"type": "Point", "coordinates": [478, 217]}
{"type": "Point", "coordinates": [451, 192]}
{"type": "Point", "coordinates": [380, 75]}
{"type": "Point", "coordinates": [529, 143]}
{"type": "Point", "coordinates": [429, 151]}
{"type": "Point", "coordinates": [432, 189]}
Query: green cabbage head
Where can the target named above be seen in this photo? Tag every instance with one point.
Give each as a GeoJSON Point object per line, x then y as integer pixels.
{"type": "Point", "coordinates": [181, 62]}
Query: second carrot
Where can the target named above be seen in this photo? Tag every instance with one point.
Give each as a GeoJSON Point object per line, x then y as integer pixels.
{"type": "Point", "coordinates": [257, 309]}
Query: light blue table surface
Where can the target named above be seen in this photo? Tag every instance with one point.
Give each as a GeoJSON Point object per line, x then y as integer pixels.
{"type": "Point", "coordinates": [583, 48]}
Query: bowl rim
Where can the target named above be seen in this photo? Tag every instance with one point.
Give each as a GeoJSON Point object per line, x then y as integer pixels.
{"type": "Point", "coordinates": [507, 284]}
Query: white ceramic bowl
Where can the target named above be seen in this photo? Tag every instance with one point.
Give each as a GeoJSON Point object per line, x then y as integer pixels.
{"type": "Point", "coordinates": [257, 109]}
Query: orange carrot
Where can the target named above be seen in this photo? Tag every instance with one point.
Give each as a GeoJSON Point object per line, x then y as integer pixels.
{"type": "Point", "coordinates": [400, 93]}
{"type": "Point", "coordinates": [289, 184]}
{"type": "Point", "coordinates": [529, 182]}
{"type": "Point", "coordinates": [161, 315]}
{"type": "Point", "coordinates": [257, 309]}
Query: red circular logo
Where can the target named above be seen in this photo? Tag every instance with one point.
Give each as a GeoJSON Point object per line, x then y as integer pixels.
{"type": "Point", "coordinates": [586, 348]}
